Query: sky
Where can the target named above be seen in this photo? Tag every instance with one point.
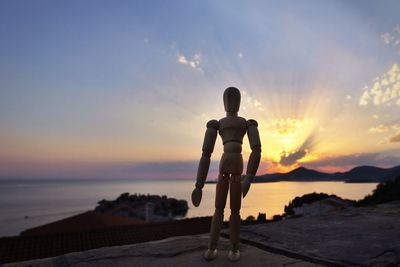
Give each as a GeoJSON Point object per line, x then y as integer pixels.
{"type": "Point", "coordinates": [124, 89]}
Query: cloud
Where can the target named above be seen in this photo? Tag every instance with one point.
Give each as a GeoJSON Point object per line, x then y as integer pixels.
{"type": "Point", "coordinates": [391, 129]}
{"type": "Point", "coordinates": [105, 170]}
{"type": "Point", "coordinates": [168, 170]}
{"type": "Point", "coordinates": [379, 129]}
{"type": "Point", "coordinates": [286, 126]}
{"type": "Point", "coordinates": [193, 63]}
{"type": "Point", "coordinates": [392, 38]}
{"type": "Point", "coordinates": [396, 126]}
{"type": "Point", "coordinates": [387, 38]}
{"type": "Point", "coordinates": [288, 159]}
{"type": "Point", "coordinates": [385, 90]}
{"type": "Point", "coordinates": [395, 138]}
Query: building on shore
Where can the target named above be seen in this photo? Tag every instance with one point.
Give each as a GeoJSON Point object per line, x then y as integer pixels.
{"type": "Point", "coordinates": [322, 207]}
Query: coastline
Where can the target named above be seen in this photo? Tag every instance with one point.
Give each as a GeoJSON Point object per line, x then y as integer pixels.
{"type": "Point", "coordinates": [76, 197]}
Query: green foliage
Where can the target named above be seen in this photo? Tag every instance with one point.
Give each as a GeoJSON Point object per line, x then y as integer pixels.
{"type": "Point", "coordinates": [262, 217]}
{"type": "Point", "coordinates": [250, 218]}
{"type": "Point", "coordinates": [123, 197]}
{"type": "Point", "coordinates": [384, 192]}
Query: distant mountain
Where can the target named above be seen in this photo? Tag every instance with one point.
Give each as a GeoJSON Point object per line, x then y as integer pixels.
{"type": "Point", "coordinates": [304, 173]}
{"type": "Point", "coordinates": [362, 174]}
{"type": "Point", "coordinates": [299, 174]}
{"type": "Point", "coordinates": [369, 174]}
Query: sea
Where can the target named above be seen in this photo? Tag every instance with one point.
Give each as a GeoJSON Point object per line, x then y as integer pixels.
{"type": "Point", "coordinates": [28, 203]}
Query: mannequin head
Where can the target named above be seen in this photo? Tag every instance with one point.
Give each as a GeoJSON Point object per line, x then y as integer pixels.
{"type": "Point", "coordinates": [232, 100]}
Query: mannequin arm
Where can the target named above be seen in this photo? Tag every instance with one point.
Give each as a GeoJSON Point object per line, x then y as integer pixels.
{"type": "Point", "coordinates": [255, 145]}
{"type": "Point", "coordinates": [204, 165]}
{"type": "Point", "coordinates": [255, 155]}
{"type": "Point", "coordinates": [208, 147]}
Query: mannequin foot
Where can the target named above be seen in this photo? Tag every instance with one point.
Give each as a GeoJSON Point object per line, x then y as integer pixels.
{"type": "Point", "coordinates": [234, 255]}
{"type": "Point", "coordinates": [209, 255]}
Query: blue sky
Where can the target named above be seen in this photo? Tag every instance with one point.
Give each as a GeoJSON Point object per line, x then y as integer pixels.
{"type": "Point", "coordinates": [100, 85]}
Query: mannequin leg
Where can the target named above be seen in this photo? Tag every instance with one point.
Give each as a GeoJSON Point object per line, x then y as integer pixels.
{"type": "Point", "coordinates": [220, 202]}
{"type": "Point", "coordinates": [218, 218]}
{"type": "Point", "coordinates": [234, 221]}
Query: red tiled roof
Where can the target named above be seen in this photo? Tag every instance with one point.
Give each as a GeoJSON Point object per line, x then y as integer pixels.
{"type": "Point", "coordinates": [26, 247]}
{"type": "Point", "coordinates": [82, 222]}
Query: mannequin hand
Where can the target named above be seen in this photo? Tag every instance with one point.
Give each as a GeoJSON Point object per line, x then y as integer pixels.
{"type": "Point", "coordinates": [246, 184]}
{"type": "Point", "coordinates": [196, 196]}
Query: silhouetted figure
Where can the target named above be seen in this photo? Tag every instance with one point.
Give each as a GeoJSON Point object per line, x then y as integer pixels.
{"type": "Point", "coordinates": [232, 129]}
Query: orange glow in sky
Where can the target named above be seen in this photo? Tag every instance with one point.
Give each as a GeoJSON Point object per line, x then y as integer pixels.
{"type": "Point", "coordinates": [129, 89]}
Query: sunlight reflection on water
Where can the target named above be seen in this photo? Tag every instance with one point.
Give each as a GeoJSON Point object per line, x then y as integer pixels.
{"type": "Point", "coordinates": [47, 201]}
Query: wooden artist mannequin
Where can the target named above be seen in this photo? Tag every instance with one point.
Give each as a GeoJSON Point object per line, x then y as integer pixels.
{"type": "Point", "coordinates": [232, 129]}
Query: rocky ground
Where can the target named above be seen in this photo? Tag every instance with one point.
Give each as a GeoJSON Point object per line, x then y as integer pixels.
{"type": "Point", "coordinates": [368, 236]}
{"type": "Point", "coordinates": [176, 251]}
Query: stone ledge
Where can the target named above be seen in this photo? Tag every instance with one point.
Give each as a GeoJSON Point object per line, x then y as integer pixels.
{"type": "Point", "coordinates": [176, 251]}
{"type": "Point", "coordinates": [367, 236]}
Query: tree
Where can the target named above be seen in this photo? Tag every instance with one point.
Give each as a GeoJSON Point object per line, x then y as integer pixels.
{"type": "Point", "coordinates": [250, 218]}
{"type": "Point", "coordinates": [384, 192]}
{"type": "Point", "coordinates": [262, 217]}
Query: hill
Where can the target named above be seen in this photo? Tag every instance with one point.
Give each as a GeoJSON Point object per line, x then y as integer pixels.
{"type": "Point", "coordinates": [369, 174]}
{"type": "Point", "coordinates": [361, 174]}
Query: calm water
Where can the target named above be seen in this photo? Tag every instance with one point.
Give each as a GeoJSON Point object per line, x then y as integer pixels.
{"type": "Point", "coordinates": [47, 201]}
